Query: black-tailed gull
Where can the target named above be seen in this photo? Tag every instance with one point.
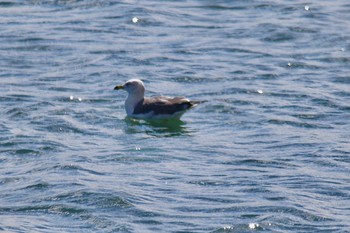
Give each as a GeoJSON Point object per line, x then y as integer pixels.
{"type": "Point", "coordinates": [139, 106]}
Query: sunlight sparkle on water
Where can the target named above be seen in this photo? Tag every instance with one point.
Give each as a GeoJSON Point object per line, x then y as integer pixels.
{"type": "Point", "coordinates": [135, 20]}
{"type": "Point", "coordinates": [253, 225]}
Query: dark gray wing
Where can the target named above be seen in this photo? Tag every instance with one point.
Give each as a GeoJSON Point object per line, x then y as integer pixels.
{"type": "Point", "coordinates": [162, 105]}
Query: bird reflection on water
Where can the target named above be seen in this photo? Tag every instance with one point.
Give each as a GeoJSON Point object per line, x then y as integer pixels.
{"type": "Point", "coordinates": [157, 128]}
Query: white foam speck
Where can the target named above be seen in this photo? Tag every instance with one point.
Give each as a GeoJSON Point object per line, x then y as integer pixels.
{"type": "Point", "coordinates": [307, 8]}
{"type": "Point", "coordinates": [260, 91]}
{"type": "Point", "coordinates": [71, 97]}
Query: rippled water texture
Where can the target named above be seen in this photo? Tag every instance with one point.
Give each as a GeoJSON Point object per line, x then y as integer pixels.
{"type": "Point", "coordinates": [269, 151]}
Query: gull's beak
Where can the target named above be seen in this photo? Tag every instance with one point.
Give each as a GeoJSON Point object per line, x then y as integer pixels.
{"type": "Point", "coordinates": [119, 87]}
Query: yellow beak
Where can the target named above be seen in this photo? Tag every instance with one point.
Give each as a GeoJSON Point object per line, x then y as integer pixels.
{"type": "Point", "coordinates": [118, 87]}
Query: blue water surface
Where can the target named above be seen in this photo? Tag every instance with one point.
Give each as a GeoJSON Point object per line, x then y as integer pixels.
{"type": "Point", "coordinates": [269, 150]}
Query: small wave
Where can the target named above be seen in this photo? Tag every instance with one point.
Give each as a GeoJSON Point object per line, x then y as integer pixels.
{"type": "Point", "coordinates": [77, 168]}
{"type": "Point", "coordinates": [96, 200]}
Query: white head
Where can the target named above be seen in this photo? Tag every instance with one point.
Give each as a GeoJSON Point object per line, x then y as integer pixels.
{"type": "Point", "coordinates": [133, 87]}
{"type": "Point", "coordinates": [136, 91]}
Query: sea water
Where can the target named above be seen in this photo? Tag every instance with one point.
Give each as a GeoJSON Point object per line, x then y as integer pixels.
{"type": "Point", "coordinates": [269, 150]}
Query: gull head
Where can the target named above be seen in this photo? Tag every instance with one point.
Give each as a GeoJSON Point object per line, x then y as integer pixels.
{"type": "Point", "coordinates": [136, 92]}
{"type": "Point", "coordinates": [133, 87]}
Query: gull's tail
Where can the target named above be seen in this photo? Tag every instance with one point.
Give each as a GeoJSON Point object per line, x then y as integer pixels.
{"type": "Point", "coordinates": [194, 103]}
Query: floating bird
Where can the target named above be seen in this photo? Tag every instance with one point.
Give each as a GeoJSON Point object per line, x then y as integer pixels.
{"type": "Point", "coordinates": [160, 107]}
